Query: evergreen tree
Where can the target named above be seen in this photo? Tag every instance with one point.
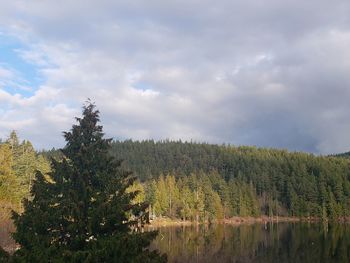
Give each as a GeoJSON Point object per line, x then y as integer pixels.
{"type": "Point", "coordinates": [162, 203]}
{"type": "Point", "coordinates": [25, 165]}
{"type": "Point", "coordinates": [137, 187]}
{"type": "Point", "coordinates": [214, 207]}
{"type": "Point", "coordinates": [82, 212]}
{"type": "Point", "coordinates": [43, 165]}
{"type": "Point", "coordinates": [173, 195]}
{"type": "Point", "coordinates": [14, 143]}
{"type": "Point", "coordinates": [187, 203]}
{"type": "Point", "coordinates": [199, 204]}
{"type": "Point", "coordinates": [9, 198]}
{"type": "Point", "coordinates": [151, 198]}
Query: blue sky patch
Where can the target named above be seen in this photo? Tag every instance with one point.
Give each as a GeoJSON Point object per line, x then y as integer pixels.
{"type": "Point", "coordinates": [26, 78]}
{"type": "Point", "coordinates": [142, 86]}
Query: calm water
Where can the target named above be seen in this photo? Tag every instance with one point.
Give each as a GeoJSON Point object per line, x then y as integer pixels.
{"type": "Point", "coordinates": [283, 242]}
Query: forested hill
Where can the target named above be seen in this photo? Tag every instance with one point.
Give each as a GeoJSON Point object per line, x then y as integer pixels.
{"type": "Point", "coordinates": [343, 155]}
{"type": "Point", "coordinates": [191, 180]}
{"type": "Point", "coordinates": [149, 159]}
{"type": "Point", "coordinates": [298, 183]}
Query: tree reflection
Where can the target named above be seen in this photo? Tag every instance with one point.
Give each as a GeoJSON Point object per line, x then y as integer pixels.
{"type": "Point", "coordinates": [284, 242]}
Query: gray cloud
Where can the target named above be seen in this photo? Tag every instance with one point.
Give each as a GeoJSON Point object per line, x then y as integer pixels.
{"type": "Point", "coordinates": [271, 73]}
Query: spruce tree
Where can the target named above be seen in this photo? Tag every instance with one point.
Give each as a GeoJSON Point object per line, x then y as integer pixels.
{"type": "Point", "coordinates": [82, 211]}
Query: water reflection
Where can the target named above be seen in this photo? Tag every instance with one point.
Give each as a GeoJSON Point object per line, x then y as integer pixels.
{"type": "Point", "coordinates": [284, 242]}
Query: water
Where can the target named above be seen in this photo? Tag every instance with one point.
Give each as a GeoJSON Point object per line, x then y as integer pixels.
{"type": "Point", "coordinates": [283, 242]}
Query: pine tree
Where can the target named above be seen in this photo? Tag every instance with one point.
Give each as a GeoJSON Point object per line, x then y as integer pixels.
{"type": "Point", "coordinates": [82, 212]}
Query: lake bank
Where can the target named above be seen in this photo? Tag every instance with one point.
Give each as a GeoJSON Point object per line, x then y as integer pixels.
{"type": "Point", "coordinates": [165, 221]}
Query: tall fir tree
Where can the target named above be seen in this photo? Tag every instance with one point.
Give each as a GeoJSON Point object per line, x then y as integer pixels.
{"type": "Point", "coordinates": [82, 212]}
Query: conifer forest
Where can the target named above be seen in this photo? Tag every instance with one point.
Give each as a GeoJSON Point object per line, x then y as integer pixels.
{"type": "Point", "coordinates": [200, 182]}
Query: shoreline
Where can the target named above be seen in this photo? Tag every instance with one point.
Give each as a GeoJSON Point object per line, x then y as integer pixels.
{"type": "Point", "coordinates": [168, 222]}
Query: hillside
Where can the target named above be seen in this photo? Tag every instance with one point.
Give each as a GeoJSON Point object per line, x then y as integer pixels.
{"type": "Point", "coordinates": [199, 181]}
{"type": "Point", "coordinates": [293, 183]}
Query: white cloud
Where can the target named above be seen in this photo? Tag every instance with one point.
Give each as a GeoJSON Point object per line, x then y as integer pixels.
{"type": "Point", "coordinates": [5, 73]}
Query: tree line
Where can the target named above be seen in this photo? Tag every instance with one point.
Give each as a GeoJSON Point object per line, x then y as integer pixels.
{"type": "Point", "coordinates": [198, 197]}
{"type": "Point", "coordinates": [277, 181]}
{"type": "Point", "coordinates": [199, 181]}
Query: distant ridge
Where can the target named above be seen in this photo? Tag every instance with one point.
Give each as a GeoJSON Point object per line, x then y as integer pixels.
{"type": "Point", "coordinates": [343, 155]}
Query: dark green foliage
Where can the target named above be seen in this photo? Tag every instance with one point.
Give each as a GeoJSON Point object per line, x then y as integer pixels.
{"type": "Point", "coordinates": [284, 183]}
{"type": "Point", "coordinates": [342, 155]}
{"type": "Point", "coordinates": [4, 256]}
{"type": "Point", "coordinates": [52, 154]}
{"type": "Point", "coordinates": [280, 182]}
{"type": "Point", "coordinates": [82, 212]}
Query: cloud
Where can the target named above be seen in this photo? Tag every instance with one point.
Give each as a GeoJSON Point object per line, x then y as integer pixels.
{"type": "Point", "coordinates": [270, 74]}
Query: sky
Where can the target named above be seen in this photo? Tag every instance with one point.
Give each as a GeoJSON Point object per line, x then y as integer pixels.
{"type": "Point", "coordinates": [268, 73]}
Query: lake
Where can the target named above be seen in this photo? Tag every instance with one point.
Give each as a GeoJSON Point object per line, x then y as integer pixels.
{"type": "Point", "coordinates": [283, 242]}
